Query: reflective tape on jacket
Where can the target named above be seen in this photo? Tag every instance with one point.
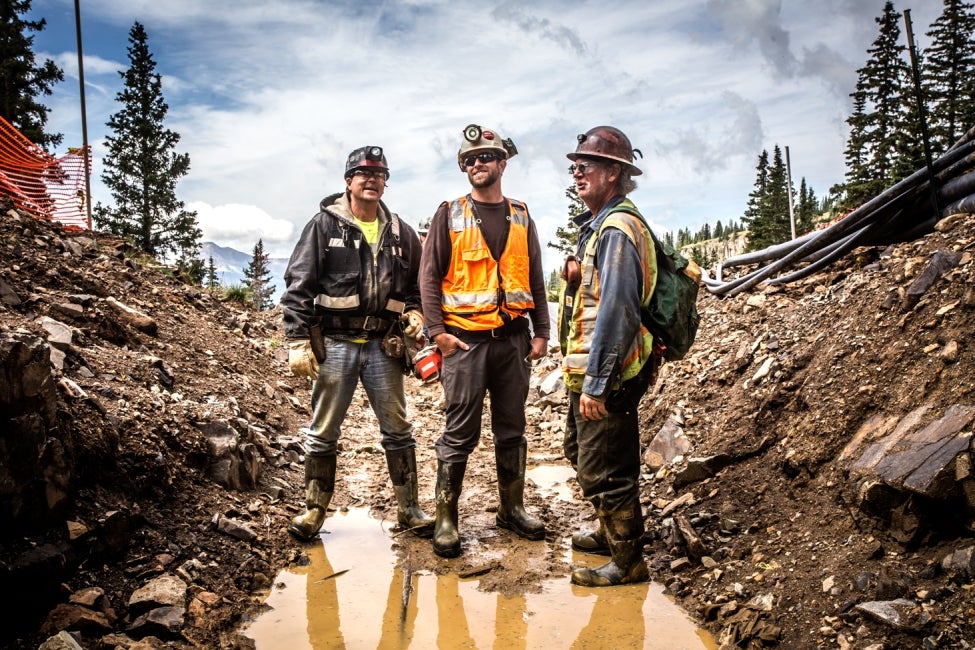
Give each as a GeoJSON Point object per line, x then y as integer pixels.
{"type": "Point", "coordinates": [477, 288]}
{"type": "Point", "coordinates": [585, 303]}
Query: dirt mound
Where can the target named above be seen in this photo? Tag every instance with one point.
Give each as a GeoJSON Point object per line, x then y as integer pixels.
{"type": "Point", "coordinates": [173, 451]}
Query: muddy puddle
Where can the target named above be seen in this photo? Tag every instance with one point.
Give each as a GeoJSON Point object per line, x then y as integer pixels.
{"type": "Point", "coordinates": [352, 594]}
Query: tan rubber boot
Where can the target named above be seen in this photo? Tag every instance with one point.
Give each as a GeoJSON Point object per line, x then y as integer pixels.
{"type": "Point", "coordinates": [624, 532]}
{"type": "Point", "coordinates": [319, 486]}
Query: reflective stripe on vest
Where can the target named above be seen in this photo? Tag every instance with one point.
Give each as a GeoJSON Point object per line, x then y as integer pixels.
{"type": "Point", "coordinates": [477, 288]}
{"type": "Point", "coordinates": [586, 301]}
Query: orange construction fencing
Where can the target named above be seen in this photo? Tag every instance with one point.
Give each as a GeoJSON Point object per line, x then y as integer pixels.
{"type": "Point", "coordinates": [39, 183]}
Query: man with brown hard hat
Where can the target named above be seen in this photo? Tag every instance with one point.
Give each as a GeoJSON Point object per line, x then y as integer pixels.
{"type": "Point", "coordinates": [609, 357]}
{"type": "Point", "coordinates": [351, 279]}
{"type": "Point", "coordinates": [481, 280]}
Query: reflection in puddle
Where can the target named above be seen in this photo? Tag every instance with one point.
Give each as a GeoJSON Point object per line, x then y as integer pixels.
{"type": "Point", "coordinates": [552, 480]}
{"type": "Point", "coordinates": [353, 595]}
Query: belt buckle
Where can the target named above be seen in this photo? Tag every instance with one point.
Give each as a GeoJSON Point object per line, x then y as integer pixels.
{"type": "Point", "coordinates": [499, 332]}
{"type": "Point", "coordinates": [365, 324]}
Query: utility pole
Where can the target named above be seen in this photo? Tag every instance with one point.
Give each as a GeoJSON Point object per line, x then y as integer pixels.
{"type": "Point", "coordinates": [788, 182]}
{"type": "Point", "coordinates": [84, 117]}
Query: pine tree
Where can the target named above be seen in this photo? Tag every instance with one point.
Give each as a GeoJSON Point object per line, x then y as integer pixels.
{"type": "Point", "coordinates": [211, 275]}
{"type": "Point", "coordinates": [881, 113]}
{"type": "Point", "coordinates": [949, 74]}
{"type": "Point", "coordinates": [257, 278]}
{"type": "Point", "coordinates": [553, 286]}
{"type": "Point", "coordinates": [566, 237]}
{"type": "Point", "coordinates": [807, 209]}
{"type": "Point", "coordinates": [141, 168]}
{"type": "Point", "coordinates": [21, 80]}
{"type": "Point", "coordinates": [756, 198]}
{"type": "Point", "coordinates": [767, 214]}
{"type": "Point", "coordinates": [193, 268]}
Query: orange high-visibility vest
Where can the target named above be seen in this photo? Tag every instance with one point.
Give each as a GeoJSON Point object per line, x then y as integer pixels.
{"type": "Point", "coordinates": [477, 288]}
{"type": "Point", "coordinates": [585, 304]}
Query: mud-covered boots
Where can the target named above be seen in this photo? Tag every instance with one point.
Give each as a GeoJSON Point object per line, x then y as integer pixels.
{"type": "Point", "coordinates": [402, 473]}
{"type": "Point", "coordinates": [594, 542]}
{"type": "Point", "coordinates": [319, 486]}
{"type": "Point", "coordinates": [446, 536]}
{"type": "Point", "coordinates": [511, 490]}
{"type": "Point", "coordinates": [624, 532]}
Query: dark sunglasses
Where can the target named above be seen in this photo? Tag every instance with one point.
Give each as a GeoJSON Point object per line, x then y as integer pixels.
{"type": "Point", "coordinates": [485, 157]}
{"type": "Point", "coordinates": [583, 167]}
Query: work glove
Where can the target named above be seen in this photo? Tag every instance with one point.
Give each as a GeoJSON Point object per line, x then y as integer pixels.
{"type": "Point", "coordinates": [413, 324]}
{"type": "Point", "coordinates": [302, 360]}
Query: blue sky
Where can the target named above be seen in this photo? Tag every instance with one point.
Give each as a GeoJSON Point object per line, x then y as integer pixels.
{"type": "Point", "coordinates": [269, 97]}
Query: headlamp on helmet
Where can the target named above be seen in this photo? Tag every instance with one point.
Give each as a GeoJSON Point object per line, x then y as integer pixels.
{"type": "Point", "coordinates": [477, 139]}
{"type": "Point", "coordinates": [370, 157]}
{"type": "Point", "coordinates": [608, 143]}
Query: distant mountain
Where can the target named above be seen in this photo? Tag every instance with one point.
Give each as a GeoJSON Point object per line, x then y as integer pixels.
{"type": "Point", "coordinates": [230, 264]}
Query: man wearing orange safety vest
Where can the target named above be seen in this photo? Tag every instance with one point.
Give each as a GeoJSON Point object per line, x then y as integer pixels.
{"type": "Point", "coordinates": [609, 357]}
{"type": "Point", "coordinates": [481, 281]}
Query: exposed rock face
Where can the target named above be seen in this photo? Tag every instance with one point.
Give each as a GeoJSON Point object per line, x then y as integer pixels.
{"type": "Point", "coordinates": [34, 472]}
{"type": "Point", "coordinates": [133, 407]}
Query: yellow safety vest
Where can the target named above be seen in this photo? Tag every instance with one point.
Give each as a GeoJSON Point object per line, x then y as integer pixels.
{"type": "Point", "coordinates": [477, 288]}
{"type": "Point", "coordinates": [585, 304]}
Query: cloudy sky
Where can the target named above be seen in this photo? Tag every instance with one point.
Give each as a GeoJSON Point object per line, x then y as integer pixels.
{"type": "Point", "coordinates": [269, 97]}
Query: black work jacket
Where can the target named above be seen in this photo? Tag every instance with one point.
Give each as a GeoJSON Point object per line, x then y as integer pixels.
{"type": "Point", "coordinates": [332, 271]}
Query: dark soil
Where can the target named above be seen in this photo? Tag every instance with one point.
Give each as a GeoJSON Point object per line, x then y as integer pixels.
{"type": "Point", "coordinates": [785, 555]}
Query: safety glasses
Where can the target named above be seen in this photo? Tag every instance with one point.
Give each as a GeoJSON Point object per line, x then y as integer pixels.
{"type": "Point", "coordinates": [583, 167]}
{"type": "Point", "coordinates": [485, 157]}
{"type": "Point", "coordinates": [371, 173]}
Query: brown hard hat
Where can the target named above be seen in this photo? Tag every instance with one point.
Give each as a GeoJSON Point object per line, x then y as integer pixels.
{"type": "Point", "coordinates": [607, 142]}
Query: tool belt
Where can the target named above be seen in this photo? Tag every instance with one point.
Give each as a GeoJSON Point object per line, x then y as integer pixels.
{"type": "Point", "coordinates": [516, 326]}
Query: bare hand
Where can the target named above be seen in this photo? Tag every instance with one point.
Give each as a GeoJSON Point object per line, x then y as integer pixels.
{"type": "Point", "coordinates": [592, 408]}
{"type": "Point", "coordinates": [449, 344]}
{"type": "Point", "coordinates": [539, 349]}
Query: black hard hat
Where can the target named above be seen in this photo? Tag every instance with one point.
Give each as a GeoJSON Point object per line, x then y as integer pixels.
{"type": "Point", "coordinates": [371, 157]}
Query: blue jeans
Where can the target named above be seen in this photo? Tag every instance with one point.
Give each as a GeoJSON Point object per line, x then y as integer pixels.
{"type": "Point", "coordinates": [345, 364]}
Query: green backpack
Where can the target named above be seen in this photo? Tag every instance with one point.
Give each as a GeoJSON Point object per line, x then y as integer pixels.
{"type": "Point", "coordinates": [671, 316]}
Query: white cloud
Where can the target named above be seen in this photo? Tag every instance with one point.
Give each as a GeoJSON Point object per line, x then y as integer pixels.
{"type": "Point", "coordinates": [268, 98]}
{"type": "Point", "coordinates": [241, 226]}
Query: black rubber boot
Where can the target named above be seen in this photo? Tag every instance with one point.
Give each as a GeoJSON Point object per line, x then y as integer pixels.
{"type": "Point", "coordinates": [319, 486]}
{"type": "Point", "coordinates": [511, 489]}
{"type": "Point", "coordinates": [594, 542]}
{"type": "Point", "coordinates": [450, 480]}
{"type": "Point", "coordinates": [402, 473]}
{"type": "Point", "coordinates": [624, 532]}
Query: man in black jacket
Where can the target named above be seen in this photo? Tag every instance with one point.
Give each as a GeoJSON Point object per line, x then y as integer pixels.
{"type": "Point", "coordinates": [351, 278]}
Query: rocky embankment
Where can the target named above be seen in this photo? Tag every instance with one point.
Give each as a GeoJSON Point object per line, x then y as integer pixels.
{"type": "Point", "coordinates": [807, 469]}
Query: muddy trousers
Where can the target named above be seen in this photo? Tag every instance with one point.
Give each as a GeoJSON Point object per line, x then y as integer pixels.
{"type": "Point", "coordinates": [450, 480]}
{"type": "Point", "coordinates": [319, 486]}
{"type": "Point", "coordinates": [624, 535]}
{"type": "Point", "coordinates": [402, 474]}
{"type": "Point", "coordinates": [511, 491]}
